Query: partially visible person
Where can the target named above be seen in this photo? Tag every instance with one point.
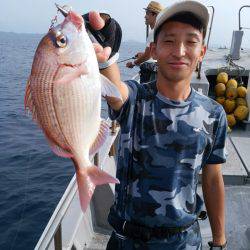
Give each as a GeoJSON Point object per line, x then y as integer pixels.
{"type": "Point", "coordinates": [148, 67]}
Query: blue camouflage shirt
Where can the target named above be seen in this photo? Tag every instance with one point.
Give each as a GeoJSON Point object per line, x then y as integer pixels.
{"type": "Point", "coordinates": [163, 146]}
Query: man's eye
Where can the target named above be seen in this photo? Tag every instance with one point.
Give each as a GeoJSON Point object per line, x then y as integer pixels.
{"type": "Point", "coordinates": [168, 41]}
{"type": "Point", "coordinates": [192, 42]}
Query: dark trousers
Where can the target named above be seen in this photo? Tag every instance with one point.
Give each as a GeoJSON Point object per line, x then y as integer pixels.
{"type": "Point", "coordinates": [189, 239]}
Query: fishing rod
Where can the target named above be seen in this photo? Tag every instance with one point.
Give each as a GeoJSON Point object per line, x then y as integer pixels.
{"type": "Point", "coordinates": [134, 57]}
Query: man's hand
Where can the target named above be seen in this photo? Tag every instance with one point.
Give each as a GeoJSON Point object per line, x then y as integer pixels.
{"type": "Point", "coordinates": [112, 71]}
{"type": "Point", "coordinates": [130, 65]}
{"type": "Point", "coordinates": [98, 23]}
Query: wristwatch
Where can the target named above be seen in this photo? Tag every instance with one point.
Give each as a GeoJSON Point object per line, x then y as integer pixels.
{"type": "Point", "coordinates": [217, 247]}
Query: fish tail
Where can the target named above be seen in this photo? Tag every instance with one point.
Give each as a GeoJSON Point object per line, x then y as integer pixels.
{"type": "Point", "coordinates": [87, 180]}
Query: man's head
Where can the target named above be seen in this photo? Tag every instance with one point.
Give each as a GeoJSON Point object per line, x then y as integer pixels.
{"type": "Point", "coordinates": [152, 10]}
{"type": "Point", "coordinates": [179, 35]}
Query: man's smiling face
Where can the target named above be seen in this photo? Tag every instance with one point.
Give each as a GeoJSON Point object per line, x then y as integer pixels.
{"type": "Point", "coordinates": [178, 48]}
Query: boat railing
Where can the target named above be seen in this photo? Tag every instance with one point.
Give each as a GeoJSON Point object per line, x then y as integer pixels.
{"type": "Point", "coordinates": [62, 227]}
{"type": "Point", "coordinates": [240, 27]}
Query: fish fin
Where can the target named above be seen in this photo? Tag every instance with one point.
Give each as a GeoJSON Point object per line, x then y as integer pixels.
{"type": "Point", "coordinates": [87, 180]}
{"type": "Point", "coordinates": [109, 89]}
{"type": "Point", "coordinates": [101, 138]}
{"type": "Point", "coordinates": [28, 102]}
{"type": "Point", "coordinates": [75, 73]}
{"type": "Point", "coordinates": [61, 152]}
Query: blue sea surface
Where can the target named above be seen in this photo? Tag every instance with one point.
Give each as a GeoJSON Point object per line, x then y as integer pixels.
{"type": "Point", "coordinates": [32, 178]}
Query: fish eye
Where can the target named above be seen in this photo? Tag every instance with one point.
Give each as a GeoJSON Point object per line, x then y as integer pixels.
{"type": "Point", "coordinates": [61, 41]}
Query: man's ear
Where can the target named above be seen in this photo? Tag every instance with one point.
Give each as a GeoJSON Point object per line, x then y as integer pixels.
{"type": "Point", "coordinates": [203, 52]}
{"type": "Point", "coordinates": [153, 50]}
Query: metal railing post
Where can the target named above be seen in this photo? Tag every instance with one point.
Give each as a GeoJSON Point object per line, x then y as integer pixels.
{"type": "Point", "coordinates": [58, 238]}
{"type": "Point", "coordinates": [96, 159]}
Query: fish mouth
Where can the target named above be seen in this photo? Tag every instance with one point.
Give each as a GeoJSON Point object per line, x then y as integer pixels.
{"type": "Point", "coordinates": [77, 71]}
{"type": "Point", "coordinates": [80, 67]}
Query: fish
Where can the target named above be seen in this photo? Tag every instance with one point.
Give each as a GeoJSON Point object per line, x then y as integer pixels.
{"type": "Point", "coordinates": [63, 94]}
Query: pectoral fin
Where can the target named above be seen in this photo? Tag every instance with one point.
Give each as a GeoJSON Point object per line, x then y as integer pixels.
{"type": "Point", "coordinates": [101, 138]}
{"type": "Point", "coordinates": [109, 89]}
{"type": "Point", "coordinates": [28, 102]}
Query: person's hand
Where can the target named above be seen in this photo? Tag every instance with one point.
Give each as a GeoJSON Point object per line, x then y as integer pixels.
{"type": "Point", "coordinates": [130, 65]}
{"type": "Point", "coordinates": [139, 54]}
{"type": "Point", "coordinates": [98, 23]}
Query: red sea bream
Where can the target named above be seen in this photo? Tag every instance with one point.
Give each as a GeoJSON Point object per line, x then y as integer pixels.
{"type": "Point", "coordinates": [64, 96]}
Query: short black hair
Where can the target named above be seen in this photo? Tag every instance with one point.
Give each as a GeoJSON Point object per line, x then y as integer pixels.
{"type": "Point", "coordinates": [187, 18]}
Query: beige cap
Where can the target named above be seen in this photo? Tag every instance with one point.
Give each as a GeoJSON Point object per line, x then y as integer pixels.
{"type": "Point", "coordinates": [154, 7]}
{"type": "Point", "coordinates": [199, 10]}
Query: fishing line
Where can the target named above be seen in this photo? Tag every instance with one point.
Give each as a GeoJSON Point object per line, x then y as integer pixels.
{"type": "Point", "coordinates": [24, 203]}
{"type": "Point", "coordinates": [127, 59]}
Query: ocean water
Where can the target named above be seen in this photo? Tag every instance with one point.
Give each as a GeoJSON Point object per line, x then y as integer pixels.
{"type": "Point", "coordinates": [32, 178]}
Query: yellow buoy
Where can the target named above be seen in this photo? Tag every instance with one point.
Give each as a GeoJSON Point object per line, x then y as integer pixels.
{"type": "Point", "coordinates": [241, 102]}
{"type": "Point", "coordinates": [232, 83]}
{"type": "Point", "coordinates": [231, 93]}
{"type": "Point", "coordinates": [222, 77]}
{"type": "Point", "coordinates": [242, 91]}
{"type": "Point", "coordinates": [241, 113]}
{"type": "Point", "coordinates": [229, 106]}
{"type": "Point", "coordinates": [231, 120]}
{"type": "Point", "coordinates": [220, 100]}
{"type": "Point", "coordinates": [220, 89]}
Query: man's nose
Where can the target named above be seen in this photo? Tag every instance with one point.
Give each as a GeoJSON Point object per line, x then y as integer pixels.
{"type": "Point", "coordinates": [179, 49]}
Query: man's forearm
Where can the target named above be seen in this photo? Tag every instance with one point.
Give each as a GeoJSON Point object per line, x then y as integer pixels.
{"type": "Point", "coordinates": [143, 57]}
{"type": "Point", "coordinates": [214, 196]}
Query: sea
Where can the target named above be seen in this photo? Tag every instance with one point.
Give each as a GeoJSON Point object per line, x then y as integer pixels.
{"type": "Point", "coordinates": [32, 178]}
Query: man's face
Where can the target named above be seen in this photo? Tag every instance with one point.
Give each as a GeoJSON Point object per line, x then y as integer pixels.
{"type": "Point", "coordinates": [150, 18]}
{"type": "Point", "coordinates": [177, 50]}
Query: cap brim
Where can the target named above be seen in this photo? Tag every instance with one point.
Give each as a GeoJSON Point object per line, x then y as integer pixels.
{"type": "Point", "coordinates": [198, 9]}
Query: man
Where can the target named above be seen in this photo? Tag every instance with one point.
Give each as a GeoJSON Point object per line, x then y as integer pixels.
{"type": "Point", "coordinates": [147, 64]}
{"type": "Point", "coordinates": [169, 132]}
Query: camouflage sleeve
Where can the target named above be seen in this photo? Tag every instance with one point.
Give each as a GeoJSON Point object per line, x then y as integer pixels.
{"type": "Point", "coordinates": [218, 151]}
{"type": "Point", "coordinates": [128, 107]}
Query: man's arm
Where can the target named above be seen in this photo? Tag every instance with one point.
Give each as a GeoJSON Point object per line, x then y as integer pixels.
{"type": "Point", "coordinates": [214, 197]}
{"type": "Point", "coordinates": [141, 57]}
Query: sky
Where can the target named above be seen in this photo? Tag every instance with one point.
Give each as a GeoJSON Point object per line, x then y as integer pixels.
{"type": "Point", "coordinates": [34, 16]}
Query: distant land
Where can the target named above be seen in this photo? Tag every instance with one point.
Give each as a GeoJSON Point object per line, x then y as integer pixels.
{"type": "Point", "coordinates": [9, 34]}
